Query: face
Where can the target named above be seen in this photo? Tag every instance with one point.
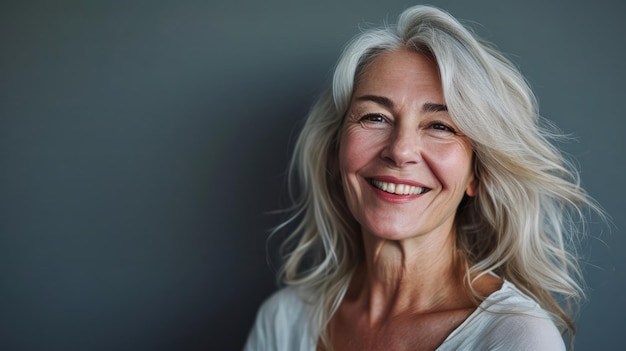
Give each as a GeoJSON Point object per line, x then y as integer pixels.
{"type": "Point", "coordinates": [405, 166]}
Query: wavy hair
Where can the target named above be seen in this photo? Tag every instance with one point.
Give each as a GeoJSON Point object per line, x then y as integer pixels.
{"type": "Point", "coordinates": [527, 216]}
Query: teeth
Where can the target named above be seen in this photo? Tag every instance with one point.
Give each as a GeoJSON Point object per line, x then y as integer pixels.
{"type": "Point", "coordinates": [400, 189]}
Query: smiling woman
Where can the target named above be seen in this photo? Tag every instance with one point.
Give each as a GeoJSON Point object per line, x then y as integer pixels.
{"type": "Point", "coordinates": [434, 212]}
{"type": "Point", "coordinates": [398, 137]}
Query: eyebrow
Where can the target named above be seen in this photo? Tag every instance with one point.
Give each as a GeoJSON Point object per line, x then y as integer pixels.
{"type": "Point", "coordinates": [431, 107]}
{"type": "Point", "coordinates": [381, 100]}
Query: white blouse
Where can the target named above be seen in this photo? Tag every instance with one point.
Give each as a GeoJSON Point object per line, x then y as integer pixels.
{"type": "Point", "coordinates": [506, 320]}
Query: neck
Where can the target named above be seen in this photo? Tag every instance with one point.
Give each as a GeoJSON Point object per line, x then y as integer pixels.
{"type": "Point", "coordinates": [417, 275]}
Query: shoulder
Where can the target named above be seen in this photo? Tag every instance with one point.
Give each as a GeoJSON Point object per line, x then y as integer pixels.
{"type": "Point", "coordinates": [285, 304]}
{"type": "Point", "coordinates": [507, 320]}
{"type": "Point", "coordinates": [521, 331]}
{"type": "Point", "coordinates": [281, 320]}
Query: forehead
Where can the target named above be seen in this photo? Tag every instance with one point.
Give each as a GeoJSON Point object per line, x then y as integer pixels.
{"type": "Point", "coordinates": [400, 71]}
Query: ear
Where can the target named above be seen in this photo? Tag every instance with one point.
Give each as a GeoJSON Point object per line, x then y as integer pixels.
{"type": "Point", "coordinates": [472, 187]}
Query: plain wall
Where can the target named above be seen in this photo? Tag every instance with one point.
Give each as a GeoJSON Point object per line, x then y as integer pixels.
{"type": "Point", "coordinates": [143, 143]}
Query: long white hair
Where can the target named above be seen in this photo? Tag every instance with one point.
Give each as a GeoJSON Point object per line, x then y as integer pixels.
{"type": "Point", "coordinates": [525, 219]}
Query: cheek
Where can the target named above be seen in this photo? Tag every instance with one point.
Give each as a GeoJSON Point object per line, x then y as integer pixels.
{"type": "Point", "coordinates": [355, 151]}
{"type": "Point", "coordinates": [452, 160]}
{"type": "Point", "coordinates": [349, 162]}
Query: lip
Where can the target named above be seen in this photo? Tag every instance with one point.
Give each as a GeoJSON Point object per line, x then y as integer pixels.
{"type": "Point", "coordinates": [395, 198]}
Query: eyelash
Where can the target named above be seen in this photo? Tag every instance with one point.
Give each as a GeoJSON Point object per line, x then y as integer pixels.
{"type": "Point", "coordinates": [370, 118]}
{"type": "Point", "coordinates": [380, 118]}
{"type": "Point", "coordinates": [438, 126]}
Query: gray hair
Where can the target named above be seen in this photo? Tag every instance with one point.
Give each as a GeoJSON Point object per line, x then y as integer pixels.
{"type": "Point", "coordinates": [523, 222]}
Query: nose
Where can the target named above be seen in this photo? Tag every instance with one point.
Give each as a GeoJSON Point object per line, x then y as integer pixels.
{"type": "Point", "coordinates": [403, 147]}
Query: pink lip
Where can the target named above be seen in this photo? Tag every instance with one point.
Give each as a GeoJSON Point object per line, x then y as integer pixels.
{"type": "Point", "coordinates": [395, 198]}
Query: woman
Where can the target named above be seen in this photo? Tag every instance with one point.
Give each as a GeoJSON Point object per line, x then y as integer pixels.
{"type": "Point", "coordinates": [433, 211]}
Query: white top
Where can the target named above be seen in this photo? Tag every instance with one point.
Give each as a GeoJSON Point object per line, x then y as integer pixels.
{"type": "Point", "coordinates": [505, 320]}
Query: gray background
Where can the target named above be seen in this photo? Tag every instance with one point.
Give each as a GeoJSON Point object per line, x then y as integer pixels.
{"type": "Point", "coordinates": [142, 144]}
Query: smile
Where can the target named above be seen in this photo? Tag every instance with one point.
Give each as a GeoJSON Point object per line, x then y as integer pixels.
{"type": "Point", "coordinates": [398, 189]}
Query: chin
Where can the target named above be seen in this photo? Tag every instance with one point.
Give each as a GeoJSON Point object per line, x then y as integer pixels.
{"type": "Point", "coordinates": [390, 233]}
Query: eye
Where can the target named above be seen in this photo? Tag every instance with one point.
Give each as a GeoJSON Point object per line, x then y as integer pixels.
{"type": "Point", "coordinates": [373, 118]}
{"type": "Point", "coordinates": [443, 127]}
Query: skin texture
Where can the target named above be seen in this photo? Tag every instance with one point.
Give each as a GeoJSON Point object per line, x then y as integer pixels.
{"type": "Point", "coordinates": [407, 294]}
